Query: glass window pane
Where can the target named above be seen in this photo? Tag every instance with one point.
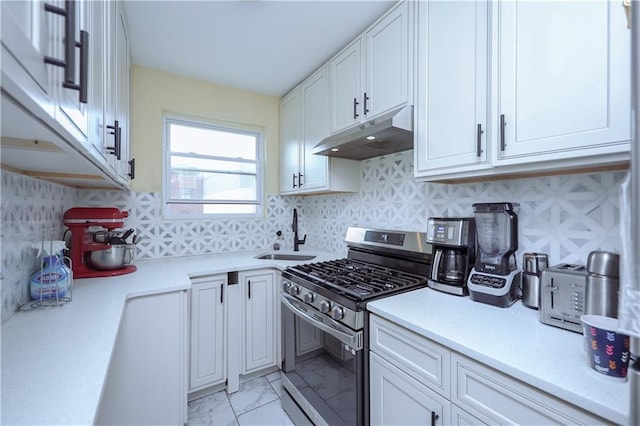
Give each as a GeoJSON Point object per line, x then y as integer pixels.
{"type": "Point", "coordinates": [187, 185]}
{"type": "Point", "coordinates": [210, 141]}
{"type": "Point", "coordinates": [178, 162]}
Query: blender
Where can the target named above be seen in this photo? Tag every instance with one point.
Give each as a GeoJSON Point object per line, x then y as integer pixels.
{"type": "Point", "coordinates": [495, 278]}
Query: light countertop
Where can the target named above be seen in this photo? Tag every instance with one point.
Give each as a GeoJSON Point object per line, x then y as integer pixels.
{"type": "Point", "coordinates": [511, 340]}
{"type": "Point", "coordinates": [55, 360]}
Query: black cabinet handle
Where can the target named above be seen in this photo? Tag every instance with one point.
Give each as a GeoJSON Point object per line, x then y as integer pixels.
{"type": "Point", "coordinates": [434, 417]}
{"type": "Point", "coordinates": [479, 141]}
{"type": "Point", "coordinates": [69, 61]}
{"type": "Point", "coordinates": [294, 181]}
{"type": "Point", "coordinates": [300, 179]}
{"type": "Point", "coordinates": [366, 98]}
{"type": "Point", "coordinates": [355, 104]}
{"type": "Point", "coordinates": [502, 124]}
{"type": "Point", "coordinates": [132, 168]}
{"type": "Point", "coordinates": [221, 293]}
{"type": "Point", "coordinates": [117, 132]}
{"type": "Point", "coordinates": [249, 288]}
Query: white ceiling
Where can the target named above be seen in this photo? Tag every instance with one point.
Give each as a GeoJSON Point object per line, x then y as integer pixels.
{"type": "Point", "coordinates": [263, 46]}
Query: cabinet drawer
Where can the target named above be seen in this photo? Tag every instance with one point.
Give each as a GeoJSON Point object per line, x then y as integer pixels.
{"type": "Point", "coordinates": [423, 359]}
{"type": "Point", "coordinates": [483, 391]}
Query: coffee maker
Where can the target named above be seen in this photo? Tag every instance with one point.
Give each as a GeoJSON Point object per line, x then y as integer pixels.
{"type": "Point", "coordinates": [92, 256]}
{"type": "Point", "coordinates": [454, 245]}
{"type": "Point", "coordinates": [495, 278]}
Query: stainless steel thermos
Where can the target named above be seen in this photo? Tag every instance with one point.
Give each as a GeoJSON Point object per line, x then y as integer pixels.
{"type": "Point", "coordinates": [603, 271]}
{"type": "Point", "coordinates": [533, 265]}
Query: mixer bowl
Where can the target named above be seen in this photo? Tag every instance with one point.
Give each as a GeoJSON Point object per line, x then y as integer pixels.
{"type": "Point", "coordinates": [116, 257]}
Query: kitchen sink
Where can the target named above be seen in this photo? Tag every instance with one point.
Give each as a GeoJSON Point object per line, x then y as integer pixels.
{"type": "Point", "coordinates": [283, 256]}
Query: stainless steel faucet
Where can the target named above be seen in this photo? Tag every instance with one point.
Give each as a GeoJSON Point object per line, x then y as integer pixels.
{"type": "Point", "coordinates": [297, 242]}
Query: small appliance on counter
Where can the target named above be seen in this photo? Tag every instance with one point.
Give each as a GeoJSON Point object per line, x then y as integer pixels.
{"type": "Point", "coordinates": [563, 296]}
{"type": "Point", "coordinates": [454, 246]}
{"type": "Point", "coordinates": [603, 284]}
{"type": "Point", "coordinates": [97, 248]}
{"type": "Point", "coordinates": [495, 278]}
{"type": "Point", "coordinates": [532, 266]}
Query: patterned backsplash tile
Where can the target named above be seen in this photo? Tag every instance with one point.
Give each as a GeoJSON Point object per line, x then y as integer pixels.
{"type": "Point", "coordinates": [564, 216]}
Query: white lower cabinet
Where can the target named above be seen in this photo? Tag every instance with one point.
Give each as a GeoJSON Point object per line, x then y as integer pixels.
{"type": "Point", "coordinates": [397, 398]}
{"type": "Point", "coordinates": [412, 377]}
{"type": "Point", "coordinates": [485, 392]}
{"type": "Point", "coordinates": [258, 307]}
{"type": "Point", "coordinates": [208, 332]}
{"type": "Point", "coordinates": [147, 378]}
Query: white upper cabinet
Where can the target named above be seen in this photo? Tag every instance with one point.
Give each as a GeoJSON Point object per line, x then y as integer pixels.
{"type": "Point", "coordinates": [65, 89]}
{"type": "Point", "coordinates": [452, 86]}
{"type": "Point", "coordinates": [26, 36]}
{"type": "Point", "coordinates": [73, 107]}
{"type": "Point", "coordinates": [289, 141]}
{"type": "Point", "coordinates": [388, 69]}
{"type": "Point", "coordinates": [304, 123]}
{"type": "Point", "coordinates": [374, 73]}
{"type": "Point", "coordinates": [506, 87]}
{"type": "Point", "coordinates": [346, 87]}
{"type": "Point", "coordinates": [563, 76]}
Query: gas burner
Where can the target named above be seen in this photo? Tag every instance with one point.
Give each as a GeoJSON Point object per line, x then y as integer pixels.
{"type": "Point", "coordinates": [356, 279]}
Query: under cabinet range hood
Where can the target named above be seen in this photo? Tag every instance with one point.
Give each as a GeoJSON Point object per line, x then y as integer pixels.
{"type": "Point", "coordinates": [389, 133]}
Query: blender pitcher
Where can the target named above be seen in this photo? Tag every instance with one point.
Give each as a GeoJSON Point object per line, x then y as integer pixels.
{"type": "Point", "coordinates": [497, 232]}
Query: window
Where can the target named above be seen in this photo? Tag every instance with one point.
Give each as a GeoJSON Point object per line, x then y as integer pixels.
{"type": "Point", "coordinates": [211, 170]}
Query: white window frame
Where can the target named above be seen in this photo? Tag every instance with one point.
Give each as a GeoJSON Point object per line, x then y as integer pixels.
{"type": "Point", "coordinates": [214, 125]}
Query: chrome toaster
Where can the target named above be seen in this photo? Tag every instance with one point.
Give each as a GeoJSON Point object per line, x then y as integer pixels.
{"type": "Point", "coordinates": [563, 296]}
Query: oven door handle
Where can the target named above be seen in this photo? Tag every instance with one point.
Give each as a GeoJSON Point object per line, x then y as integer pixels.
{"type": "Point", "coordinates": [353, 339]}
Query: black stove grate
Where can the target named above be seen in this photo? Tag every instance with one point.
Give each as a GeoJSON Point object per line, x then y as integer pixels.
{"type": "Point", "coordinates": [356, 279]}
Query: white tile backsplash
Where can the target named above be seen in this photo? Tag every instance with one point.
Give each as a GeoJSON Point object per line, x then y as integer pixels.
{"type": "Point", "coordinates": [564, 216]}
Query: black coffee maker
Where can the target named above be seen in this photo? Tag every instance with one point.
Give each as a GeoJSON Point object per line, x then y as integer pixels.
{"type": "Point", "coordinates": [454, 246]}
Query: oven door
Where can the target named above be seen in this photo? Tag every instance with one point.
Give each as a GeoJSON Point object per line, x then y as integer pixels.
{"type": "Point", "coordinates": [323, 365]}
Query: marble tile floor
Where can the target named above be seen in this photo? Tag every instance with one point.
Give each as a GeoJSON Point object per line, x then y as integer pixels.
{"type": "Point", "coordinates": [257, 403]}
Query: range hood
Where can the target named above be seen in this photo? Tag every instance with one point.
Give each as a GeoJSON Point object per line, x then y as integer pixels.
{"type": "Point", "coordinates": [389, 133]}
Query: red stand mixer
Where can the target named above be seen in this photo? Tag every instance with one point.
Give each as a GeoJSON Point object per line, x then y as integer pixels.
{"type": "Point", "coordinates": [79, 220]}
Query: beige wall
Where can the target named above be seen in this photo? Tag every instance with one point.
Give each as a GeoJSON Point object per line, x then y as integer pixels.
{"type": "Point", "coordinates": [154, 93]}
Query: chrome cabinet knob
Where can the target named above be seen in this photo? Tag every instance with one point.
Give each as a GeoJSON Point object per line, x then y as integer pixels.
{"type": "Point", "coordinates": [325, 306]}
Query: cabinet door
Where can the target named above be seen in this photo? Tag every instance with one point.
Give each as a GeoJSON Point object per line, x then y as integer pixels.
{"type": "Point", "coordinates": [388, 70]}
{"type": "Point", "coordinates": [122, 91]}
{"type": "Point", "coordinates": [563, 79]}
{"type": "Point", "coordinates": [289, 142]}
{"type": "Point", "coordinates": [259, 316]}
{"type": "Point", "coordinates": [146, 384]}
{"type": "Point", "coordinates": [98, 136]}
{"type": "Point", "coordinates": [397, 399]}
{"type": "Point", "coordinates": [71, 113]}
{"type": "Point", "coordinates": [207, 332]}
{"type": "Point", "coordinates": [26, 34]}
{"type": "Point", "coordinates": [315, 119]}
{"type": "Point", "coordinates": [452, 86]}
{"type": "Point", "coordinates": [346, 87]}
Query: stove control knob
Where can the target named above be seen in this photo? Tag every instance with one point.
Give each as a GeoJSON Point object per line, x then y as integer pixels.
{"type": "Point", "coordinates": [286, 286]}
{"type": "Point", "coordinates": [294, 290]}
{"type": "Point", "coordinates": [325, 306]}
{"type": "Point", "coordinates": [337, 313]}
{"type": "Point", "coordinates": [309, 297]}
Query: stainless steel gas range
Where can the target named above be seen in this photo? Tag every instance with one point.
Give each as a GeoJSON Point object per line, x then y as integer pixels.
{"type": "Point", "coordinates": [324, 321]}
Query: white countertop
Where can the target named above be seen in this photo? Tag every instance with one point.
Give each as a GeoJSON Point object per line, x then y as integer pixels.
{"type": "Point", "coordinates": [55, 360]}
{"type": "Point", "coordinates": [511, 340]}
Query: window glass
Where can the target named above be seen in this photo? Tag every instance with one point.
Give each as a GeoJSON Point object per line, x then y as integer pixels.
{"type": "Point", "coordinates": [211, 170]}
